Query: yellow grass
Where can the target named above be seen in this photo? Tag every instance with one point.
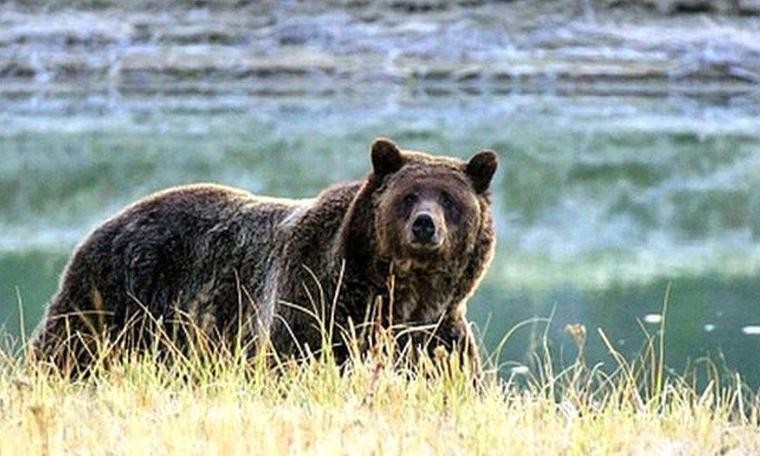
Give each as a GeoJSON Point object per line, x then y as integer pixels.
{"type": "Point", "coordinates": [224, 405]}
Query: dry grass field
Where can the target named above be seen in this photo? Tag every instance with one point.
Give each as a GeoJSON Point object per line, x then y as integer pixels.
{"type": "Point", "coordinates": [380, 405]}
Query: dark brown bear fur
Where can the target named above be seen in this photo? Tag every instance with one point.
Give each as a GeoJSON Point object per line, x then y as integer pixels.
{"type": "Point", "coordinates": [415, 235]}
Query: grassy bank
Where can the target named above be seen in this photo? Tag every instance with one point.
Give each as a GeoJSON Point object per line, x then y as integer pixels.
{"type": "Point", "coordinates": [223, 406]}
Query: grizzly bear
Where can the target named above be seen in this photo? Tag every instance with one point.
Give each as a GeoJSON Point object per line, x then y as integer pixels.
{"type": "Point", "coordinates": [414, 237]}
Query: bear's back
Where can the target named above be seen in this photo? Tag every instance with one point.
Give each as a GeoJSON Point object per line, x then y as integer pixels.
{"type": "Point", "coordinates": [194, 249]}
{"type": "Point", "coordinates": [190, 223]}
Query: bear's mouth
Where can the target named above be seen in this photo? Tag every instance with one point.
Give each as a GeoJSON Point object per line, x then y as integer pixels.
{"type": "Point", "coordinates": [422, 252]}
{"type": "Point", "coordinates": [425, 247]}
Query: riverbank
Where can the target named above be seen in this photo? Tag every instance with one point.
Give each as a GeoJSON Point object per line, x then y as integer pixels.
{"type": "Point", "coordinates": [88, 48]}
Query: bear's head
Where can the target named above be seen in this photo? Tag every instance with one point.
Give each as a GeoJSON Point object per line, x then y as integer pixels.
{"type": "Point", "coordinates": [428, 210]}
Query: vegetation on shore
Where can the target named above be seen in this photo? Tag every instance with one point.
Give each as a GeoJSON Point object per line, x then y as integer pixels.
{"type": "Point", "coordinates": [201, 404]}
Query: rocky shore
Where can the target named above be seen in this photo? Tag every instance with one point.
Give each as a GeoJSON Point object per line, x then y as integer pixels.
{"type": "Point", "coordinates": [293, 48]}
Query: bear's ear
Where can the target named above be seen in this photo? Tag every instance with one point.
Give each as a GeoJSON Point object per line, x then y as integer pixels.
{"type": "Point", "coordinates": [481, 168]}
{"type": "Point", "coordinates": [386, 157]}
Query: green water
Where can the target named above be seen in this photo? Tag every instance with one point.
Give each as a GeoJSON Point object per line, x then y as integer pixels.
{"type": "Point", "coordinates": [600, 203]}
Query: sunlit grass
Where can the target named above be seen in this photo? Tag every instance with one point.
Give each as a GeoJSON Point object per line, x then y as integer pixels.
{"type": "Point", "coordinates": [225, 404]}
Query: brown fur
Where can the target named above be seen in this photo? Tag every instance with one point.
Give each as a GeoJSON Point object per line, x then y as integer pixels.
{"type": "Point", "coordinates": [243, 269]}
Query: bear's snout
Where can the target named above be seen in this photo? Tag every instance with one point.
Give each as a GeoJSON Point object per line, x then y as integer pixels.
{"type": "Point", "coordinates": [423, 229]}
{"type": "Point", "coordinates": [426, 227]}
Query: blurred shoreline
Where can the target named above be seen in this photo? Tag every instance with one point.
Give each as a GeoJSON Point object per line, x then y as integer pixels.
{"type": "Point", "coordinates": [85, 48]}
{"type": "Point", "coordinates": [592, 190]}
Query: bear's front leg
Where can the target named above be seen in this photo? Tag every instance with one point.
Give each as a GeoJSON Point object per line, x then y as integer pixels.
{"type": "Point", "coordinates": [456, 336]}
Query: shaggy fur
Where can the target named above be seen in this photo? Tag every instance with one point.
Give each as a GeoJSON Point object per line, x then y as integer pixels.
{"type": "Point", "coordinates": [242, 269]}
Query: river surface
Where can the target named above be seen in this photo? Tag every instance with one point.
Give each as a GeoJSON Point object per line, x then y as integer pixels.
{"type": "Point", "coordinates": [602, 203]}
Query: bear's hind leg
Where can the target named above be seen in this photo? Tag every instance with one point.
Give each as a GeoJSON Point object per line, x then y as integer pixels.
{"type": "Point", "coordinates": [71, 336]}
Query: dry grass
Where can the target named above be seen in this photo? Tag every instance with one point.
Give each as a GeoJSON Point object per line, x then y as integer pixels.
{"type": "Point", "coordinates": [224, 405]}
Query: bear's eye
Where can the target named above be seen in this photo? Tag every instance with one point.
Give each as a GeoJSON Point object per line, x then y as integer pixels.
{"type": "Point", "coordinates": [450, 206]}
{"type": "Point", "coordinates": [409, 201]}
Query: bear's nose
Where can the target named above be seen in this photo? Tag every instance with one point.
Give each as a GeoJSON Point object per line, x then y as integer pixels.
{"type": "Point", "coordinates": [423, 229]}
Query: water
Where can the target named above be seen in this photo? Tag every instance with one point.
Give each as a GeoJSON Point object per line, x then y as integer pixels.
{"type": "Point", "coordinates": [601, 203]}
